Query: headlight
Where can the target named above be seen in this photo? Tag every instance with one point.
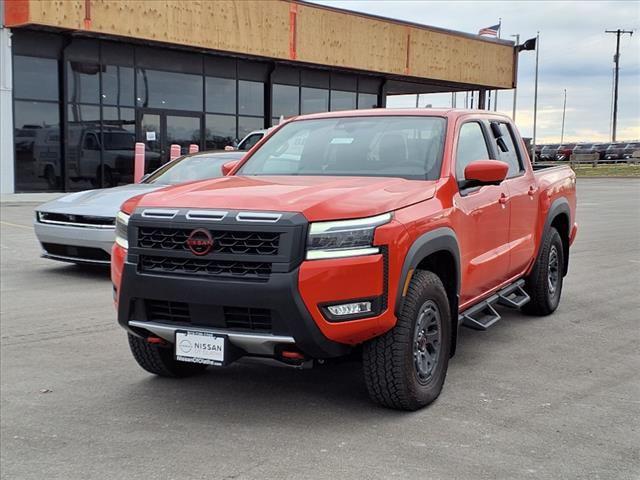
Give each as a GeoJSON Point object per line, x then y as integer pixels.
{"type": "Point", "coordinates": [122, 224]}
{"type": "Point", "coordinates": [344, 238]}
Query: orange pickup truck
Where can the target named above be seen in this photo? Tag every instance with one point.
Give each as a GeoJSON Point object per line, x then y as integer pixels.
{"type": "Point", "coordinates": [374, 231]}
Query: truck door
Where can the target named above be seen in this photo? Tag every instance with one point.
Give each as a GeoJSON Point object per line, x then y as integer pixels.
{"type": "Point", "coordinates": [483, 218]}
{"type": "Point", "coordinates": [523, 197]}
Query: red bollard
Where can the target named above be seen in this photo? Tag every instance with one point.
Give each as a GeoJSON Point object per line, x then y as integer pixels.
{"type": "Point", "coordinates": [175, 151]}
{"type": "Point", "coordinates": [193, 148]}
{"type": "Point", "coordinates": [138, 163]}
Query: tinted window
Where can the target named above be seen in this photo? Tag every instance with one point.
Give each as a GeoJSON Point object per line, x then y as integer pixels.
{"type": "Point", "coordinates": [158, 89]}
{"type": "Point", "coordinates": [246, 125]}
{"type": "Point", "coordinates": [285, 101]}
{"type": "Point", "coordinates": [83, 156]}
{"type": "Point", "coordinates": [507, 151]}
{"type": "Point", "coordinates": [250, 141]}
{"type": "Point", "coordinates": [367, 100]}
{"type": "Point", "coordinates": [471, 146]}
{"type": "Point", "coordinates": [314, 100]}
{"type": "Point", "coordinates": [407, 147]}
{"type": "Point", "coordinates": [221, 95]}
{"type": "Point", "coordinates": [220, 131]}
{"type": "Point", "coordinates": [35, 78]}
{"type": "Point", "coordinates": [342, 100]}
{"type": "Point", "coordinates": [117, 85]}
{"type": "Point", "coordinates": [83, 82]}
{"type": "Point", "coordinates": [189, 169]}
{"type": "Point", "coordinates": [37, 146]}
{"type": "Point", "coordinates": [250, 98]}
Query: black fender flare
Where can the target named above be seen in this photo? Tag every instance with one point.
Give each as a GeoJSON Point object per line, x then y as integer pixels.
{"type": "Point", "coordinates": [440, 239]}
{"type": "Point", "coordinates": [560, 206]}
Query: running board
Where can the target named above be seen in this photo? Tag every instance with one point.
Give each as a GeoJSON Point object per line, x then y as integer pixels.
{"type": "Point", "coordinates": [482, 315]}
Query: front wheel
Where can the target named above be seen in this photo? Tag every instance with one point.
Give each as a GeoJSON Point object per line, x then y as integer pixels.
{"type": "Point", "coordinates": [159, 359]}
{"type": "Point", "coordinates": [544, 283]}
{"type": "Point", "coordinates": [406, 367]}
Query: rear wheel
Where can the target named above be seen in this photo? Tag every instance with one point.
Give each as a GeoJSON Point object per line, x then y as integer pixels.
{"type": "Point", "coordinates": [544, 284]}
{"type": "Point", "coordinates": [406, 367]}
{"type": "Point", "coordinates": [159, 359]}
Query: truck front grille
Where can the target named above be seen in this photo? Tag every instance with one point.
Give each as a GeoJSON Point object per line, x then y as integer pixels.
{"type": "Point", "coordinates": [230, 242]}
{"type": "Point", "coordinates": [234, 318]}
{"type": "Point", "coordinates": [204, 267]}
{"type": "Point", "coordinates": [168, 311]}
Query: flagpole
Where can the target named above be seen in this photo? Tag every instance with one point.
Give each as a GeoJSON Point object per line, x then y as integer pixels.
{"type": "Point", "coordinates": [515, 90]}
{"type": "Point", "coordinates": [495, 98]}
{"type": "Point", "coordinates": [535, 101]}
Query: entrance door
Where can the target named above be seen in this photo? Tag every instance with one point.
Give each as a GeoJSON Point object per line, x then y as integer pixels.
{"type": "Point", "coordinates": [159, 129]}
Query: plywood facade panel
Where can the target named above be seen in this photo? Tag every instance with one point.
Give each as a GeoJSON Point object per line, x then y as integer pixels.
{"type": "Point", "coordinates": [331, 38]}
{"type": "Point", "coordinates": [281, 29]}
{"type": "Point", "coordinates": [446, 57]}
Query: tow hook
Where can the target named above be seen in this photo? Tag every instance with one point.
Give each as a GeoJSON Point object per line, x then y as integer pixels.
{"type": "Point", "coordinates": [157, 341]}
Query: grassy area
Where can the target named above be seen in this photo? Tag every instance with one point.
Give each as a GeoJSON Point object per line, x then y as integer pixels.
{"type": "Point", "coordinates": [608, 170]}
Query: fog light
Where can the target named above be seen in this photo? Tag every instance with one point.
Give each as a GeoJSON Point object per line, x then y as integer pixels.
{"type": "Point", "coordinates": [350, 308]}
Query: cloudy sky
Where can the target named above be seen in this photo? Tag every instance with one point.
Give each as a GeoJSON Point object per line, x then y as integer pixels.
{"type": "Point", "coordinates": [575, 54]}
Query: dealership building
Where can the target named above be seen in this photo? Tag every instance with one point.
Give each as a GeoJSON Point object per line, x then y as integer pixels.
{"type": "Point", "coordinates": [81, 81]}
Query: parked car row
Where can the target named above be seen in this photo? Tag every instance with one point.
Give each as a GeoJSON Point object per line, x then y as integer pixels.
{"type": "Point", "coordinates": [606, 151]}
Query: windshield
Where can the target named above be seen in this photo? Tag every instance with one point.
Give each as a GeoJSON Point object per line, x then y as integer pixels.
{"type": "Point", "coordinates": [383, 146]}
{"type": "Point", "coordinates": [189, 169]}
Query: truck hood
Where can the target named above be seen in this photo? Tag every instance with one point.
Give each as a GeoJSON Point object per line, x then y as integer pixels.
{"type": "Point", "coordinates": [317, 197]}
{"type": "Point", "coordinates": [104, 202]}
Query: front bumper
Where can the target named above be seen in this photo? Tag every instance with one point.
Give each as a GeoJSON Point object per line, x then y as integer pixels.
{"type": "Point", "coordinates": [291, 321]}
{"type": "Point", "coordinates": [94, 243]}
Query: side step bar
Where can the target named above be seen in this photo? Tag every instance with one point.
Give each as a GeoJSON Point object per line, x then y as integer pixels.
{"type": "Point", "coordinates": [482, 315]}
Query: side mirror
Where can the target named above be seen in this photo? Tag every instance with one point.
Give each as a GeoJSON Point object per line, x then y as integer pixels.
{"type": "Point", "coordinates": [485, 172]}
{"type": "Point", "coordinates": [227, 167]}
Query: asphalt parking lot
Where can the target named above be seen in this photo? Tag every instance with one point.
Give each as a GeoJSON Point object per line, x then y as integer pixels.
{"type": "Point", "coordinates": [540, 398]}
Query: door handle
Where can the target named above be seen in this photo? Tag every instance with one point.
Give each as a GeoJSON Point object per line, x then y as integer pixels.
{"type": "Point", "coordinates": [503, 199]}
{"type": "Point", "coordinates": [532, 191]}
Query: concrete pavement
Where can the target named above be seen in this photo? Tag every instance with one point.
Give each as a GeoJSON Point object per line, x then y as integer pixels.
{"type": "Point", "coordinates": [539, 398]}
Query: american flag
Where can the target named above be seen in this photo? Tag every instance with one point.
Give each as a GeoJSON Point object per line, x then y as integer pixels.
{"type": "Point", "coordinates": [492, 30]}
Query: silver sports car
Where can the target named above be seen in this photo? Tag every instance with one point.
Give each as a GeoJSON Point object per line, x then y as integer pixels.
{"type": "Point", "coordinates": [80, 227]}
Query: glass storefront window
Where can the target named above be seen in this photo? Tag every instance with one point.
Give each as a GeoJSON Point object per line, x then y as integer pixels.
{"type": "Point", "coordinates": [170, 90]}
{"type": "Point", "coordinates": [341, 100]}
{"type": "Point", "coordinates": [286, 100]}
{"type": "Point", "coordinates": [117, 85]}
{"type": "Point", "coordinates": [250, 98]}
{"type": "Point", "coordinates": [83, 162]}
{"type": "Point", "coordinates": [220, 131]}
{"type": "Point", "coordinates": [83, 82]}
{"type": "Point", "coordinates": [37, 146]}
{"type": "Point", "coordinates": [119, 138]}
{"type": "Point", "coordinates": [367, 100]}
{"type": "Point", "coordinates": [35, 78]}
{"type": "Point", "coordinates": [314, 100]}
{"type": "Point", "coordinates": [247, 125]}
{"type": "Point", "coordinates": [221, 95]}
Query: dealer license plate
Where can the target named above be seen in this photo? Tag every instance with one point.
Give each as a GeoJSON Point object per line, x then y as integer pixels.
{"type": "Point", "coordinates": [200, 347]}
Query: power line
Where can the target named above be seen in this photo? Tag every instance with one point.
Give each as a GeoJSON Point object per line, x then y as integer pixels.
{"type": "Point", "coordinates": [616, 60]}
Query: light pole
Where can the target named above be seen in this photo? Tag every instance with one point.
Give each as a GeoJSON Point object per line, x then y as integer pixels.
{"type": "Point", "coordinates": [515, 90]}
{"type": "Point", "coordinates": [535, 100]}
{"type": "Point", "coordinates": [564, 109]}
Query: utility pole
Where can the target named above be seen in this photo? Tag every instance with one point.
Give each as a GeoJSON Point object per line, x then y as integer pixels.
{"type": "Point", "coordinates": [515, 90]}
{"type": "Point", "coordinates": [564, 109]}
{"type": "Point", "coordinates": [616, 60]}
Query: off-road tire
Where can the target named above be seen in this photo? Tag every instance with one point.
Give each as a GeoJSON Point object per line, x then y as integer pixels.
{"type": "Point", "coordinates": [390, 370]}
{"type": "Point", "coordinates": [159, 360]}
{"type": "Point", "coordinates": [543, 300]}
